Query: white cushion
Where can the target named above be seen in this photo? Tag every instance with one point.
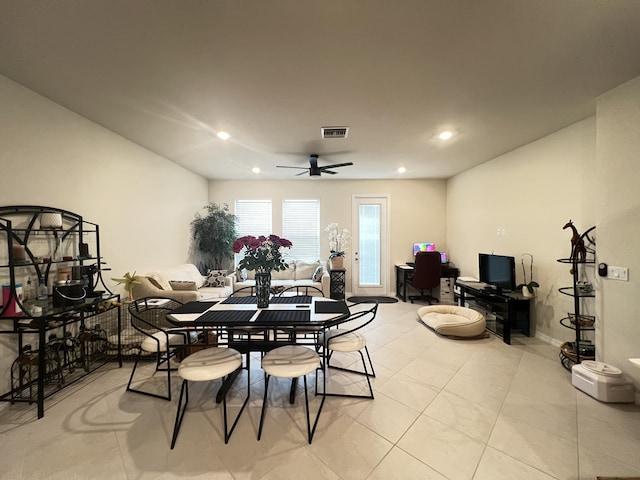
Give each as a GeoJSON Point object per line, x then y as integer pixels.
{"type": "Point", "coordinates": [305, 270]}
{"type": "Point", "coordinates": [186, 271]}
{"type": "Point", "coordinates": [291, 361]}
{"type": "Point", "coordinates": [453, 320]}
{"type": "Point", "coordinates": [175, 339]}
{"type": "Point", "coordinates": [209, 364]}
{"type": "Point", "coordinates": [287, 274]}
{"type": "Point", "coordinates": [349, 342]}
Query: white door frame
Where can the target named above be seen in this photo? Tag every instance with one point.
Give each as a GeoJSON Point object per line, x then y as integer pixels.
{"type": "Point", "coordinates": [384, 201]}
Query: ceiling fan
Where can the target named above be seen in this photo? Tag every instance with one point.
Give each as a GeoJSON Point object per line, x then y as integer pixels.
{"type": "Point", "coordinates": [314, 170]}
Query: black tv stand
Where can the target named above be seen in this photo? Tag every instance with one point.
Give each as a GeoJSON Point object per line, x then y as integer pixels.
{"type": "Point", "coordinates": [504, 311]}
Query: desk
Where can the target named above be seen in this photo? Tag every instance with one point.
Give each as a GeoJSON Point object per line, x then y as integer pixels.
{"type": "Point", "coordinates": [403, 271]}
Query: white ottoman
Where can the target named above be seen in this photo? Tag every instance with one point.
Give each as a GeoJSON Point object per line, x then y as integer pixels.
{"type": "Point", "coordinates": [452, 320]}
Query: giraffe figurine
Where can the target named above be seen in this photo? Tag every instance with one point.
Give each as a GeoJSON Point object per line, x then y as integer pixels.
{"type": "Point", "coordinates": [578, 250]}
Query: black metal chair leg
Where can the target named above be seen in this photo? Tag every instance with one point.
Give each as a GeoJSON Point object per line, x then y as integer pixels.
{"type": "Point", "coordinates": [227, 433]}
{"type": "Point", "coordinates": [264, 405]}
{"type": "Point", "coordinates": [184, 391]}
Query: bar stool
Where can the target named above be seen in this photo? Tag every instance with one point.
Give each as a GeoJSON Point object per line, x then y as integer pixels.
{"type": "Point", "coordinates": [203, 366]}
{"type": "Point", "coordinates": [290, 361]}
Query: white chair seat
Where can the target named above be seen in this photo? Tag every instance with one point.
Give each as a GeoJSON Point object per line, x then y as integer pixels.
{"type": "Point", "coordinates": [349, 342]}
{"type": "Point", "coordinates": [175, 339]}
{"type": "Point", "coordinates": [210, 364]}
{"type": "Point", "coordinates": [291, 361]}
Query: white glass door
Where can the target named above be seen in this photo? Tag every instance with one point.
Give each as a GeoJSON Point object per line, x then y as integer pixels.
{"type": "Point", "coordinates": [370, 260]}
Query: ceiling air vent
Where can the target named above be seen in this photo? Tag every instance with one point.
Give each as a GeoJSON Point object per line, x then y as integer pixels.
{"type": "Point", "coordinates": [334, 132]}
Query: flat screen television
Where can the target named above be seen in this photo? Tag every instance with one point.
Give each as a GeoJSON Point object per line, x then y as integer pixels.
{"type": "Point", "coordinates": [423, 247]}
{"type": "Point", "coordinates": [499, 271]}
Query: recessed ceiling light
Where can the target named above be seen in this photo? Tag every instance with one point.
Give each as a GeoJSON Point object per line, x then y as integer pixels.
{"type": "Point", "coordinates": [402, 170]}
{"type": "Point", "coordinates": [446, 135]}
{"type": "Point", "coordinates": [223, 135]}
{"type": "Point", "coordinates": [255, 170]}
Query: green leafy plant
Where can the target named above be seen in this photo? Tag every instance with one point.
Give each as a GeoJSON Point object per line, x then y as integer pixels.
{"type": "Point", "coordinates": [213, 235]}
{"type": "Point", "coordinates": [128, 281]}
{"type": "Point", "coordinates": [531, 285]}
{"type": "Point", "coordinates": [262, 254]}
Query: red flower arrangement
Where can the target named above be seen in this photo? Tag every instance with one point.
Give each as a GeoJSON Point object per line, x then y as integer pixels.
{"type": "Point", "coordinates": [262, 254]}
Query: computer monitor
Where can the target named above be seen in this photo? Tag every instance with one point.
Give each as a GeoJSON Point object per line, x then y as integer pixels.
{"type": "Point", "coordinates": [423, 247]}
{"type": "Point", "coordinates": [444, 257]}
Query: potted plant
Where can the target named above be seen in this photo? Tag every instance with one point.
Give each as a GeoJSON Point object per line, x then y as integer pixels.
{"type": "Point", "coordinates": [262, 254]}
{"type": "Point", "coordinates": [338, 244]}
{"type": "Point", "coordinates": [128, 281]}
{"type": "Point", "coordinates": [527, 288]}
{"type": "Point", "coordinates": [213, 236]}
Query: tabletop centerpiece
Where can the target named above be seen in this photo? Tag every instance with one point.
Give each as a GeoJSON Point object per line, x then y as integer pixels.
{"type": "Point", "coordinates": [338, 245]}
{"type": "Point", "coordinates": [262, 254]}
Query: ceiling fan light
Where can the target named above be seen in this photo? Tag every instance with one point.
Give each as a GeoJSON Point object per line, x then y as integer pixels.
{"type": "Point", "coordinates": [223, 135]}
{"type": "Point", "coordinates": [446, 135]}
{"type": "Point", "coordinates": [402, 170]}
{"type": "Point", "coordinates": [255, 170]}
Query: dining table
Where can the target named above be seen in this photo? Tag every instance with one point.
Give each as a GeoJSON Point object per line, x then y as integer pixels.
{"type": "Point", "coordinates": [238, 323]}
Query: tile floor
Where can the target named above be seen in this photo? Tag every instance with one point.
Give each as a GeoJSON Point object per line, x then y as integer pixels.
{"type": "Point", "coordinates": [444, 409]}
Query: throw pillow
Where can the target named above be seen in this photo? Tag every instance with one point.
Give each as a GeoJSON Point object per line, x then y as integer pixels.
{"type": "Point", "coordinates": [215, 278]}
{"type": "Point", "coordinates": [183, 285]}
{"type": "Point", "coordinates": [317, 275]}
{"type": "Point", "coordinates": [155, 283]}
{"type": "Point", "coordinates": [241, 275]}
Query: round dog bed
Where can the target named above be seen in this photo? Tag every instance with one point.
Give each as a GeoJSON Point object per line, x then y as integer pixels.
{"type": "Point", "coordinates": [453, 321]}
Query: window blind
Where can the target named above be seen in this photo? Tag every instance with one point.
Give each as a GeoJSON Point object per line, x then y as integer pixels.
{"type": "Point", "coordinates": [253, 217]}
{"type": "Point", "coordinates": [301, 225]}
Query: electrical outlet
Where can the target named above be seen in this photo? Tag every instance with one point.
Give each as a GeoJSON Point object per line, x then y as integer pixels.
{"type": "Point", "coordinates": [618, 273]}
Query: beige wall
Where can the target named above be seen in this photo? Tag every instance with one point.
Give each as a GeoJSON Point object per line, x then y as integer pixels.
{"type": "Point", "coordinates": [52, 157]}
{"type": "Point", "coordinates": [531, 192]}
{"type": "Point", "coordinates": [618, 219]}
{"type": "Point", "coordinates": [417, 208]}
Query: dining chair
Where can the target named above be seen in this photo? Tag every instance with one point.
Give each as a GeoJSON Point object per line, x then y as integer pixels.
{"type": "Point", "coordinates": [207, 365]}
{"type": "Point", "coordinates": [348, 338]}
{"type": "Point", "coordinates": [161, 338]}
{"type": "Point", "coordinates": [291, 361]}
{"type": "Point", "coordinates": [301, 290]}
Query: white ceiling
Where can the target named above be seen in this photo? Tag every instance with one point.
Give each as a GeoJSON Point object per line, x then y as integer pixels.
{"type": "Point", "coordinates": [169, 74]}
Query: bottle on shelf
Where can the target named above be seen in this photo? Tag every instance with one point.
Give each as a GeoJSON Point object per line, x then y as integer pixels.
{"type": "Point", "coordinates": [29, 295]}
{"type": "Point", "coordinates": [43, 294]}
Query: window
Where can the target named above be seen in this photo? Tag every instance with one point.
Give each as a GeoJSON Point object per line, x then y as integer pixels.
{"type": "Point", "coordinates": [301, 225]}
{"type": "Point", "coordinates": [253, 217]}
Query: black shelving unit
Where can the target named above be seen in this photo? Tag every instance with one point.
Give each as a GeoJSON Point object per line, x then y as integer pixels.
{"type": "Point", "coordinates": [56, 342]}
{"type": "Point", "coordinates": [576, 351]}
{"type": "Point", "coordinates": [337, 283]}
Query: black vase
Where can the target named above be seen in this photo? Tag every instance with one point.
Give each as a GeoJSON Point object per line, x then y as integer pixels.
{"type": "Point", "coordinates": [263, 289]}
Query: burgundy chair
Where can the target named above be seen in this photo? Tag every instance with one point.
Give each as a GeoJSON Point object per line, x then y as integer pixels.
{"type": "Point", "coordinates": [426, 275]}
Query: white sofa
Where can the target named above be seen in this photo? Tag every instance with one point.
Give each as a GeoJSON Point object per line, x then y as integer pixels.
{"type": "Point", "coordinates": [183, 283]}
{"type": "Point", "coordinates": [299, 273]}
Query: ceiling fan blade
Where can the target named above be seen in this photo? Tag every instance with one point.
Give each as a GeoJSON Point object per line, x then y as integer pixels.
{"type": "Point", "coordinates": [328, 171]}
{"type": "Point", "coordinates": [301, 173]}
{"type": "Point", "coordinates": [287, 166]}
{"type": "Point", "coordinates": [336, 165]}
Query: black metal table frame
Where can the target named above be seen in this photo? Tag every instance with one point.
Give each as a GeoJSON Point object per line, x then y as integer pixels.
{"type": "Point", "coordinates": [265, 336]}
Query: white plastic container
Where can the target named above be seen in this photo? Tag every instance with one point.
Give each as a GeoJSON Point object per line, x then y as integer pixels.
{"type": "Point", "coordinates": [602, 381]}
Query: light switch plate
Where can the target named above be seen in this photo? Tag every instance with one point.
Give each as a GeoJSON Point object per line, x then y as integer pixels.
{"type": "Point", "coordinates": [618, 273]}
